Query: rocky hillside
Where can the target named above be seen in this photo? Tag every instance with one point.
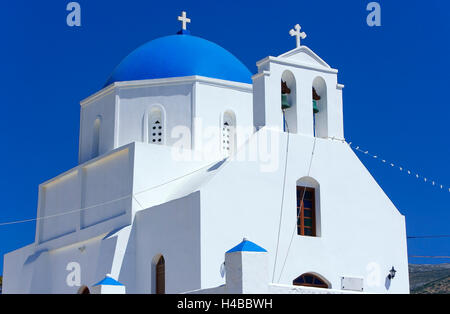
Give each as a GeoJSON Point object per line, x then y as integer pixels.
{"type": "Point", "coordinates": [430, 279]}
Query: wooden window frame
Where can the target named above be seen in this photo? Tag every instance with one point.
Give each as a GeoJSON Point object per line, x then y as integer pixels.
{"type": "Point", "coordinates": [324, 284]}
{"type": "Point", "coordinates": [301, 226]}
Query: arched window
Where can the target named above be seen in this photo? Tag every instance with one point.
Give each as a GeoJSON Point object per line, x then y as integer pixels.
{"type": "Point", "coordinates": [96, 137]}
{"type": "Point", "coordinates": [320, 107]}
{"type": "Point", "coordinates": [289, 101]}
{"type": "Point", "coordinates": [308, 214]}
{"type": "Point", "coordinates": [84, 290]}
{"type": "Point", "coordinates": [156, 128]}
{"type": "Point", "coordinates": [160, 275]}
{"type": "Point", "coordinates": [228, 138]}
{"type": "Point", "coordinates": [311, 280]}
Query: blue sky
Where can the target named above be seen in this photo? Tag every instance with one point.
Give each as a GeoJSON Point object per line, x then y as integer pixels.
{"type": "Point", "coordinates": [395, 101]}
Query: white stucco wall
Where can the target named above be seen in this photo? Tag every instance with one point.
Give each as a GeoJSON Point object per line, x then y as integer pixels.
{"type": "Point", "coordinates": [211, 103]}
{"type": "Point", "coordinates": [47, 271]}
{"type": "Point", "coordinates": [356, 234]}
{"type": "Point", "coordinates": [247, 273]}
{"type": "Point", "coordinates": [101, 106]}
{"type": "Point", "coordinates": [158, 178]}
{"type": "Point", "coordinates": [276, 289]}
{"type": "Point", "coordinates": [135, 103]}
{"type": "Point", "coordinates": [173, 231]}
{"type": "Point", "coordinates": [89, 200]}
{"type": "Point", "coordinates": [194, 103]}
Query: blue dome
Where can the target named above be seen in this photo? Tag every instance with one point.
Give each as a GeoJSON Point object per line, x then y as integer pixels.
{"type": "Point", "coordinates": [177, 56]}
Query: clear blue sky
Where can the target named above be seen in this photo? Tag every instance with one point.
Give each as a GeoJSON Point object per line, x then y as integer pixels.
{"type": "Point", "coordinates": [396, 76]}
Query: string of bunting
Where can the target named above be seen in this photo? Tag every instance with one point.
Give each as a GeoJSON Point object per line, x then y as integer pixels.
{"type": "Point", "coordinates": [395, 165]}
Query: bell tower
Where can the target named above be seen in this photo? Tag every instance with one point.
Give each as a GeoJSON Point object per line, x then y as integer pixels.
{"type": "Point", "coordinates": [298, 92]}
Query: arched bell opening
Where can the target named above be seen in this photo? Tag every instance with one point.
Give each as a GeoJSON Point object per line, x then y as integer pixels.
{"type": "Point", "coordinates": [289, 101]}
{"type": "Point", "coordinates": [320, 107]}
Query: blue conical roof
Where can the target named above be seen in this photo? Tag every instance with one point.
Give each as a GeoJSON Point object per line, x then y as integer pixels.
{"type": "Point", "coordinates": [108, 281]}
{"type": "Point", "coordinates": [247, 246]}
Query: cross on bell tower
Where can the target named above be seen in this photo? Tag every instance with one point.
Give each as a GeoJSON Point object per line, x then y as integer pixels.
{"type": "Point", "coordinates": [296, 32]}
{"type": "Point", "coordinates": [184, 20]}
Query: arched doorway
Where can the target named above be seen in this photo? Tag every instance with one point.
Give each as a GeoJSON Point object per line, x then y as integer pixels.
{"type": "Point", "coordinates": [311, 280]}
{"type": "Point", "coordinates": [160, 284]}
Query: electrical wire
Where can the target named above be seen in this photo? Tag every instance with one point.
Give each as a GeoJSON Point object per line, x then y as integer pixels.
{"type": "Point", "coordinates": [356, 148]}
{"type": "Point", "coordinates": [299, 213]}
{"type": "Point", "coordinates": [437, 257]}
{"type": "Point", "coordinates": [429, 237]}
{"type": "Point", "coordinates": [108, 202]}
{"type": "Point", "coordinates": [65, 212]}
{"type": "Point", "coordinates": [286, 127]}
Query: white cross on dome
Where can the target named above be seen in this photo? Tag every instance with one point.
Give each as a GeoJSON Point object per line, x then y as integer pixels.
{"type": "Point", "coordinates": [184, 20]}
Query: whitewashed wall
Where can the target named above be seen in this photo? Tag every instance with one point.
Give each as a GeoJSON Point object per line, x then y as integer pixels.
{"type": "Point", "coordinates": [172, 230]}
{"type": "Point", "coordinates": [125, 107]}
{"type": "Point", "coordinates": [135, 103]}
{"type": "Point", "coordinates": [360, 227]}
{"type": "Point", "coordinates": [86, 201]}
{"type": "Point", "coordinates": [102, 105]}
{"type": "Point", "coordinates": [47, 271]}
{"type": "Point", "coordinates": [211, 103]}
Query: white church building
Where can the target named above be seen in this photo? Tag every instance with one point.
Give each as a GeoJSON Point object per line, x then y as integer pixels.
{"type": "Point", "coordinates": [183, 154]}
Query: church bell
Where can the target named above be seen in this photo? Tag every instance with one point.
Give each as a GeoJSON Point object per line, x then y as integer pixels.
{"type": "Point", "coordinates": [315, 108]}
{"type": "Point", "coordinates": [285, 91]}
{"type": "Point", "coordinates": [285, 102]}
{"type": "Point", "coordinates": [316, 98]}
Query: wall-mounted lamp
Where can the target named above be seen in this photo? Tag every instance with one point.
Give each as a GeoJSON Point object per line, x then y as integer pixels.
{"type": "Point", "coordinates": [222, 270]}
{"type": "Point", "coordinates": [392, 273]}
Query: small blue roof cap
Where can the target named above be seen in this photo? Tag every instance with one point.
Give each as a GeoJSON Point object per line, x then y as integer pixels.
{"type": "Point", "coordinates": [247, 246]}
{"type": "Point", "coordinates": [108, 281]}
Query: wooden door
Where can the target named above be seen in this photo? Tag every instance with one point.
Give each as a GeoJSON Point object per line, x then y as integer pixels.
{"type": "Point", "coordinates": [161, 276]}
